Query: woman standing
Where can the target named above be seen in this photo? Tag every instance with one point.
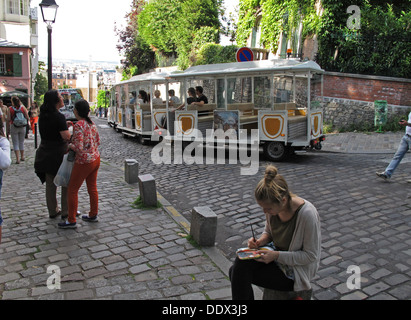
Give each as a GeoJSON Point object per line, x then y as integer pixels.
{"type": "Point", "coordinates": [85, 142]}
{"type": "Point", "coordinates": [54, 136]}
{"type": "Point", "coordinates": [293, 225]}
{"type": "Point", "coordinates": [17, 131]}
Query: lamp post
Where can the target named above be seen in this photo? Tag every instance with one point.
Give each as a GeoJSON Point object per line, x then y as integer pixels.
{"type": "Point", "coordinates": [49, 12]}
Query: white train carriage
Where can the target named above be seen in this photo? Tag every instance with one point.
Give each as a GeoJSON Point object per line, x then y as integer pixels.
{"type": "Point", "coordinates": [279, 99]}
{"type": "Point", "coordinates": [135, 117]}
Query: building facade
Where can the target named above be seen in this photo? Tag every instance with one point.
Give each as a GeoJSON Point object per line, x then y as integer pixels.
{"type": "Point", "coordinates": [18, 46]}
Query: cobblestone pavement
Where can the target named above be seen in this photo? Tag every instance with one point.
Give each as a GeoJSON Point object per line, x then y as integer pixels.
{"type": "Point", "coordinates": [129, 254]}
{"type": "Point", "coordinates": [365, 223]}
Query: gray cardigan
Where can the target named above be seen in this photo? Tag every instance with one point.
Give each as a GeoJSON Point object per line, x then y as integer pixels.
{"type": "Point", "coordinates": [305, 247]}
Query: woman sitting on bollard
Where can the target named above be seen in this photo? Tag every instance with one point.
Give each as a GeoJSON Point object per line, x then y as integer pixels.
{"type": "Point", "coordinates": [293, 225]}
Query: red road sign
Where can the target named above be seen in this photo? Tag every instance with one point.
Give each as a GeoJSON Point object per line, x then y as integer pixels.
{"type": "Point", "coordinates": [244, 54]}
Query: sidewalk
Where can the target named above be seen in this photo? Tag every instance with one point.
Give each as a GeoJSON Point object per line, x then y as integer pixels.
{"type": "Point", "coordinates": [129, 254]}
{"type": "Point", "coordinates": [352, 142]}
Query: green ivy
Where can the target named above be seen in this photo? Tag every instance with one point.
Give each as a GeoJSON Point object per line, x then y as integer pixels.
{"type": "Point", "coordinates": [380, 47]}
{"type": "Point", "coordinates": [276, 16]}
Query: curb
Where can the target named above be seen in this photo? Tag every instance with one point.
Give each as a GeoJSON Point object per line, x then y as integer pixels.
{"type": "Point", "coordinates": [215, 255]}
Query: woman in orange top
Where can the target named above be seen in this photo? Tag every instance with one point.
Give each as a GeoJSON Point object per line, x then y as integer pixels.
{"type": "Point", "coordinates": [85, 142]}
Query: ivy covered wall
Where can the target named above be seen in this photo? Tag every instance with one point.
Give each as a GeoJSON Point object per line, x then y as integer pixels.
{"type": "Point", "coordinates": [377, 43]}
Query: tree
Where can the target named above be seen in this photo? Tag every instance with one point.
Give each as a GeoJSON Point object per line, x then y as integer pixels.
{"type": "Point", "coordinates": [169, 26]}
{"type": "Point", "coordinates": [139, 58]}
{"type": "Point", "coordinates": [102, 99]}
{"type": "Point", "coordinates": [40, 85]}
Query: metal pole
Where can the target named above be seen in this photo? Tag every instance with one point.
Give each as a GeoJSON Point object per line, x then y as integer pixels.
{"type": "Point", "coordinates": [35, 136]}
{"type": "Point", "coordinates": [50, 60]}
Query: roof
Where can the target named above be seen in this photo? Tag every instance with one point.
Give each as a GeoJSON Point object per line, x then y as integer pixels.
{"type": "Point", "coordinates": [246, 68]}
{"type": "Point", "coordinates": [9, 44]}
{"type": "Point", "coordinates": [154, 77]}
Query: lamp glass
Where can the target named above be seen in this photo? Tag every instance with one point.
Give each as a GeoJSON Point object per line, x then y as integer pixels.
{"type": "Point", "coordinates": [49, 13]}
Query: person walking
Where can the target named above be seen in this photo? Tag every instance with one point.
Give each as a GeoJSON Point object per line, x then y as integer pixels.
{"type": "Point", "coordinates": [5, 161]}
{"type": "Point", "coordinates": [403, 148]}
{"type": "Point", "coordinates": [17, 129]}
{"type": "Point", "coordinates": [293, 225]}
{"type": "Point", "coordinates": [54, 136]}
{"type": "Point", "coordinates": [85, 142]}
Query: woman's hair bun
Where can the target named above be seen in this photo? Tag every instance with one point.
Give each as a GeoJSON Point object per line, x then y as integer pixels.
{"type": "Point", "coordinates": [270, 174]}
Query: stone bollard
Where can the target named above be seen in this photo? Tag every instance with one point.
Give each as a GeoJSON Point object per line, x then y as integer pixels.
{"type": "Point", "coordinates": [131, 170]}
{"type": "Point", "coordinates": [148, 192]}
{"type": "Point", "coordinates": [203, 227]}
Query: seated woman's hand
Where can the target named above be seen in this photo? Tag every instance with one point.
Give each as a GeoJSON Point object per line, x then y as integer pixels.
{"type": "Point", "coordinates": [267, 256]}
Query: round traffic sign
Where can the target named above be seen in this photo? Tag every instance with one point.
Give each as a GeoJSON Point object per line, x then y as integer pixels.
{"type": "Point", "coordinates": [244, 54]}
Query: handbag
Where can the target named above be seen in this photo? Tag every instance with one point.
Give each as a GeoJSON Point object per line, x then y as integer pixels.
{"type": "Point", "coordinates": [62, 177]}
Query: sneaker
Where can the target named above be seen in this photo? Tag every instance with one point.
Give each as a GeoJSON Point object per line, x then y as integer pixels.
{"type": "Point", "coordinates": [382, 175]}
{"type": "Point", "coordinates": [89, 219]}
{"type": "Point", "coordinates": [67, 225]}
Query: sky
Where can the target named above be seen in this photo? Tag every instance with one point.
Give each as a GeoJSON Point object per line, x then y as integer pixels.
{"type": "Point", "coordinates": [84, 29]}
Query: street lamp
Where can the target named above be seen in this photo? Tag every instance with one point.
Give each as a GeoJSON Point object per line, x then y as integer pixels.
{"type": "Point", "coordinates": [49, 12]}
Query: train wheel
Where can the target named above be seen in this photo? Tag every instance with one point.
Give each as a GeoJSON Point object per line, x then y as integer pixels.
{"type": "Point", "coordinates": [276, 151]}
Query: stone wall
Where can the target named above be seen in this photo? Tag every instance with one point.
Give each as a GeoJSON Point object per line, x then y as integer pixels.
{"type": "Point", "coordinates": [343, 113]}
{"type": "Point", "coordinates": [349, 98]}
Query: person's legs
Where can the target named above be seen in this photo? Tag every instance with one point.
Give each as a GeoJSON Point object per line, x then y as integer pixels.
{"type": "Point", "coordinates": [91, 182]}
{"type": "Point", "coordinates": [22, 136]}
{"type": "Point", "coordinates": [244, 273]}
{"type": "Point", "coordinates": [51, 199]}
{"type": "Point", "coordinates": [15, 141]}
{"type": "Point", "coordinates": [401, 151]}
{"type": "Point", "coordinates": [78, 175]}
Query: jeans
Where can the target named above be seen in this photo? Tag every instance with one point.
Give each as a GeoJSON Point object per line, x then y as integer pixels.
{"type": "Point", "coordinates": [404, 146]}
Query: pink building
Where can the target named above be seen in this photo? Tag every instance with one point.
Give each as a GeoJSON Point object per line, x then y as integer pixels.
{"type": "Point", "coordinates": [15, 67]}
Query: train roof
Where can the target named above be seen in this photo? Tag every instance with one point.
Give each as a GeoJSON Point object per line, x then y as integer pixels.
{"type": "Point", "coordinates": [249, 67]}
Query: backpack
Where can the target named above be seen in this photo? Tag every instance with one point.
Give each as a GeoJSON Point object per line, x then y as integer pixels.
{"type": "Point", "coordinates": [19, 119]}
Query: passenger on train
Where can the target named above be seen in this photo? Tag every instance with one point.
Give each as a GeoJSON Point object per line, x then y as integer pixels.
{"type": "Point", "coordinates": [201, 98]}
{"type": "Point", "coordinates": [174, 100]}
{"type": "Point", "coordinates": [142, 97]}
{"type": "Point", "coordinates": [191, 98]}
{"type": "Point", "coordinates": [157, 99]}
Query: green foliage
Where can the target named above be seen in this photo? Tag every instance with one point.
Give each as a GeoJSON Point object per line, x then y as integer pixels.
{"type": "Point", "coordinates": [169, 26]}
{"type": "Point", "coordinates": [40, 88]}
{"type": "Point", "coordinates": [380, 47]}
{"type": "Point", "coordinates": [211, 53]}
{"type": "Point", "coordinates": [277, 16]}
{"type": "Point", "coordinates": [102, 99]}
{"type": "Point", "coordinates": [138, 204]}
{"type": "Point", "coordinates": [139, 58]}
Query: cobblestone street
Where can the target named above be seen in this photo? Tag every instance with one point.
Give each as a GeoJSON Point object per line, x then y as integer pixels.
{"type": "Point", "coordinates": [134, 254]}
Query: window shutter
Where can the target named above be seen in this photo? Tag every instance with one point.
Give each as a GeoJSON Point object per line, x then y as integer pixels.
{"type": "Point", "coordinates": [17, 66]}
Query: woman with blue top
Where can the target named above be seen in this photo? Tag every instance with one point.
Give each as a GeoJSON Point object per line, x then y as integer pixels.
{"type": "Point", "coordinates": [293, 226]}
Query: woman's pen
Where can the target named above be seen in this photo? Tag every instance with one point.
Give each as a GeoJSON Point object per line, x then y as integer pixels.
{"type": "Point", "coordinates": [252, 231]}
